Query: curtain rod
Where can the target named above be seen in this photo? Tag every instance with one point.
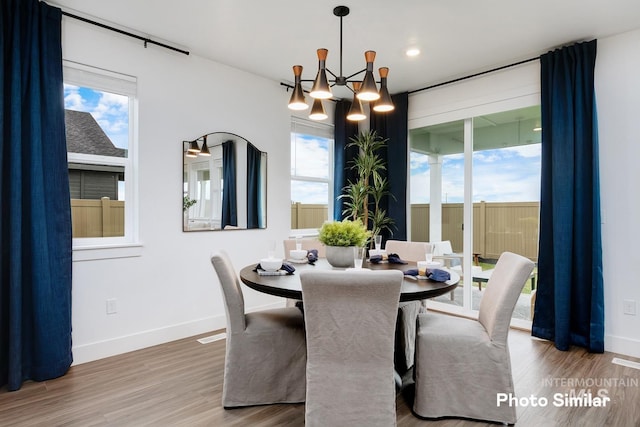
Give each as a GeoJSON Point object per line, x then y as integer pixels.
{"type": "Point", "coordinates": [475, 75]}
{"type": "Point", "coordinates": [288, 86]}
{"type": "Point", "coordinates": [126, 33]}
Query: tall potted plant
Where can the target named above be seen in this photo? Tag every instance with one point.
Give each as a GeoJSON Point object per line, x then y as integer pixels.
{"type": "Point", "coordinates": [363, 197]}
{"type": "Point", "coordinates": [340, 237]}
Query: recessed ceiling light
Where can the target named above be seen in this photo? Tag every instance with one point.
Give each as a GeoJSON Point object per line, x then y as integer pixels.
{"type": "Point", "coordinates": [414, 51]}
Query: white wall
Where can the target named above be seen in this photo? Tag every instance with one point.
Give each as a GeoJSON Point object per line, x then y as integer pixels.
{"type": "Point", "coordinates": [618, 99]}
{"type": "Point", "coordinates": [171, 290]}
{"type": "Point", "coordinates": [505, 90]}
{"type": "Point", "coordinates": [618, 103]}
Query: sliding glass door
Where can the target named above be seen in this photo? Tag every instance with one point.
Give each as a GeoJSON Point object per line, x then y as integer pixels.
{"type": "Point", "coordinates": [475, 183]}
{"type": "Point", "coordinates": [437, 194]}
{"type": "Point", "coordinates": [506, 193]}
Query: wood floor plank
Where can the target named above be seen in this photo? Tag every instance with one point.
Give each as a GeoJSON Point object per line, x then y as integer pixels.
{"type": "Point", "coordinates": [180, 384]}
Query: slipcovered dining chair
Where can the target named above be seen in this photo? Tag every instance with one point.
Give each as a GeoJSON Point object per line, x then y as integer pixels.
{"type": "Point", "coordinates": [265, 355]}
{"type": "Point", "coordinates": [350, 320]}
{"type": "Point", "coordinates": [408, 251]}
{"type": "Point", "coordinates": [407, 311]}
{"type": "Point", "coordinates": [308, 243]}
{"type": "Point", "coordinates": [461, 364]}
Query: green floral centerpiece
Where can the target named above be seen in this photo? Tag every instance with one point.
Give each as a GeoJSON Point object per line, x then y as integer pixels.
{"type": "Point", "coordinates": [340, 237]}
{"type": "Point", "coordinates": [343, 233]}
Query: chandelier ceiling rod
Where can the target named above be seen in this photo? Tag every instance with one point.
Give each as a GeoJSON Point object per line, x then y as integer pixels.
{"type": "Point", "coordinates": [341, 14]}
{"type": "Point", "coordinates": [342, 11]}
{"type": "Point", "coordinates": [340, 80]}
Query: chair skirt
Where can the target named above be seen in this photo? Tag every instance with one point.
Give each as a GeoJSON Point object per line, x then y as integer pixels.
{"type": "Point", "coordinates": [459, 371]}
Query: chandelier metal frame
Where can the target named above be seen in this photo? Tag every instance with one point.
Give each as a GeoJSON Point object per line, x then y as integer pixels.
{"type": "Point", "coordinates": [363, 90]}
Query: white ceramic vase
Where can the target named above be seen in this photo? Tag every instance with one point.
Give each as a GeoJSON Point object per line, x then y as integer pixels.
{"type": "Point", "coordinates": [340, 256]}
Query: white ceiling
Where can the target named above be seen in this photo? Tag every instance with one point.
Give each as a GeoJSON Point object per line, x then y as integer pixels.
{"type": "Point", "coordinates": [456, 38]}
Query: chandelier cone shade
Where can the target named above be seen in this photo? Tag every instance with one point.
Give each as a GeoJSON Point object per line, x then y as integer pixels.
{"type": "Point", "coordinates": [321, 89]}
{"type": "Point", "coordinates": [384, 103]}
{"type": "Point", "coordinates": [297, 101]}
{"type": "Point", "coordinates": [368, 91]}
{"type": "Point", "coordinates": [190, 153]}
{"type": "Point", "coordinates": [205, 150]}
{"type": "Point", "coordinates": [193, 147]}
{"type": "Point", "coordinates": [317, 110]}
{"type": "Point", "coordinates": [356, 113]}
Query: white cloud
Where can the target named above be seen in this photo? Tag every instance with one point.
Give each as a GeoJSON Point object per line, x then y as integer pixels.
{"type": "Point", "coordinates": [529, 150]}
{"type": "Point", "coordinates": [73, 100]}
{"type": "Point", "coordinates": [506, 186]}
{"type": "Point", "coordinates": [111, 111]}
{"type": "Point", "coordinates": [418, 160]}
{"type": "Point", "coordinates": [487, 156]}
{"type": "Point", "coordinates": [420, 187]}
{"type": "Point", "coordinates": [309, 192]}
{"type": "Point", "coordinates": [502, 175]}
{"type": "Point", "coordinates": [309, 157]}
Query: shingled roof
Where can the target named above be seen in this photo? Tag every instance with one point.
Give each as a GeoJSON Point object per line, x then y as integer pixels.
{"type": "Point", "coordinates": [85, 136]}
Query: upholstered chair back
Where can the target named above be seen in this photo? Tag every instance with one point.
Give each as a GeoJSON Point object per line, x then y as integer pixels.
{"type": "Point", "coordinates": [503, 289]}
{"type": "Point", "coordinates": [350, 320]}
{"type": "Point", "coordinates": [308, 243]}
{"type": "Point", "coordinates": [442, 248]}
{"type": "Point", "coordinates": [408, 251]}
{"type": "Point", "coordinates": [231, 292]}
{"type": "Point", "coordinates": [265, 355]}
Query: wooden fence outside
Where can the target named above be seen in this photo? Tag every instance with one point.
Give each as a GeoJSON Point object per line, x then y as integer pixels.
{"type": "Point", "coordinates": [97, 218]}
{"type": "Point", "coordinates": [497, 227]}
{"type": "Point", "coordinates": [307, 215]}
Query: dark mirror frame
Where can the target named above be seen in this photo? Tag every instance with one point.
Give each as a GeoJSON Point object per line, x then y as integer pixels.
{"type": "Point", "coordinates": [224, 183]}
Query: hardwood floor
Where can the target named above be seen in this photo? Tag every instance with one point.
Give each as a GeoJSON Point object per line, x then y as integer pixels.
{"type": "Point", "coordinates": [180, 384]}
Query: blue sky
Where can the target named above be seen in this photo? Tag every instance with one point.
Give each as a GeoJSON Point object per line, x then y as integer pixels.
{"type": "Point", "coordinates": [501, 175]}
{"type": "Point", "coordinates": [309, 158]}
{"type": "Point", "coordinates": [110, 110]}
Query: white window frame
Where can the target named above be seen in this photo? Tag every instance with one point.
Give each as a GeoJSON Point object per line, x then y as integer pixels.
{"type": "Point", "coordinates": [326, 131]}
{"type": "Point", "coordinates": [88, 248]}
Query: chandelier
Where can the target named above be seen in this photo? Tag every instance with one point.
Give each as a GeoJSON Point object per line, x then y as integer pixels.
{"type": "Point", "coordinates": [363, 90]}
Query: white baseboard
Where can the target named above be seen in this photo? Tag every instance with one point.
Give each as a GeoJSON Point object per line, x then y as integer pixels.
{"type": "Point", "coordinates": [124, 344]}
{"type": "Point", "coordinates": [622, 345]}
{"type": "Point", "coordinates": [99, 350]}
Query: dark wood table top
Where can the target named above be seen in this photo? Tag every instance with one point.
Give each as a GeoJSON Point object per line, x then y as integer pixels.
{"type": "Point", "coordinates": [289, 286]}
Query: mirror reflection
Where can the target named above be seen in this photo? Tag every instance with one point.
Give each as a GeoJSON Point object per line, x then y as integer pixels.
{"type": "Point", "coordinates": [224, 183]}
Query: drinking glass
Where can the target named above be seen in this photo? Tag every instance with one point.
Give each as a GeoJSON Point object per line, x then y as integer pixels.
{"type": "Point", "coordinates": [378, 241]}
{"type": "Point", "coordinates": [422, 268]}
{"type": "Point", "coordinates": [298, 243]}
{"type": "Point", "coordinates": [429, 253]}
{"type": "Point", "coordinates": [271, 249]}
{"type": "Point", "coordinates": [358, 256]}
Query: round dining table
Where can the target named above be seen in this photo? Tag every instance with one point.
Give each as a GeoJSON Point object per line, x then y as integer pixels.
{"type": "Point", "coordinates": [288, 286]}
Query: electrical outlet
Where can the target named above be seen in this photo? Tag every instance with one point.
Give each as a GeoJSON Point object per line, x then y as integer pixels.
{"type": "Point", "coordinates": [112, 307]}
{"type": "Point", "coordinates": [629, 307]}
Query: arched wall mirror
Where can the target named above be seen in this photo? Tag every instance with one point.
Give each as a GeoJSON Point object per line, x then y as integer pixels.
{"type": "Point", "coordinates": [224, 183]}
